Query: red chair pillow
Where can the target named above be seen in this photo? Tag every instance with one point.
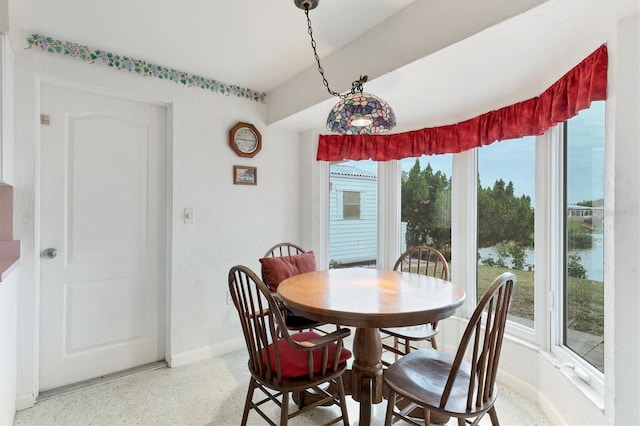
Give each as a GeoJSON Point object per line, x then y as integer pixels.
{"type": "Point", "coordinates": [293, 361]}
{"type": "Point", "coordinates": [277, 269]}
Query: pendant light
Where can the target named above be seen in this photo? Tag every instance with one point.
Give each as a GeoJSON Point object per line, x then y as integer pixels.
{"type": "Point", "coordinates": [357, 112]}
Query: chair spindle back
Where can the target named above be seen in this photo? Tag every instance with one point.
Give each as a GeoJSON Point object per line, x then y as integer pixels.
{"type": "Point", "coordinates": [481, 343]}
{"type": "Point", "coordinates": [284, 249]}
{"type": "Point", "coordinates": [423, 260]}
{"type": "Point", "coordinates": [260, 318]}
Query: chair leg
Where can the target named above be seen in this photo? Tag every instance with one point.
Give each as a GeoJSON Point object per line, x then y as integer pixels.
{"type": "Point", "coordinates": [343, 401]}
{"type": "Point", "coordinates": [284, 413]}
{"type": "Point", "coordinates": [494, 416]}
{"type": "Point", "coordinates": [427, 416]}
{"type": "Point", "coordinates": [407, 346]}
{"type": "Point", "coordinates": [391, 403]}
{"type": "Point", "coordinates": [395, 345]}
{"type": "Point", "coordinates": [247, 403]}
{"type": "Point", "coordinates": [461, 422]}
{"type": "Point", "coordinates": [434, 344]}
{"type": "Point", "coordinates": [299, 397]}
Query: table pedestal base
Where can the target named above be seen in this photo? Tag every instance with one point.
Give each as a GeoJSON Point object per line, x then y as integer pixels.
{"type": "Point", "coordinates": [366, 373]}
{"type": "Point", "coordinates": [364, 381]}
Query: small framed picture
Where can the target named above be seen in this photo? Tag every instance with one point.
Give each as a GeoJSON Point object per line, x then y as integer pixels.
{"type": "Point", "coordinates": [245, 175]}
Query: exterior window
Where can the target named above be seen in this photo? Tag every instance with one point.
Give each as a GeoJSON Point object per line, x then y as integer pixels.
{"type": "Point", "coordinates": [506, 190]}
{"type": "Point", "coordinates": [584, 255]}
{"type": "Point", "coordinates": [353, 214]}
{"type": "Point", "coordinates": [426, 203]}
{"type": "Point", "coordinates": [351, 205]}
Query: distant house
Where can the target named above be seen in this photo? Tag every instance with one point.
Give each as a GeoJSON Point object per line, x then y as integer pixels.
{"type": "Point", "coordinates": [593, 217]}
{"type": "Point", "coordinates": [352, 215]}
{"type": "Point", "coordinates": [574, 210]}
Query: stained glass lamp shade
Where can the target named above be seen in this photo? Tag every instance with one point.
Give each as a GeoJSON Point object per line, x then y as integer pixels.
{"type": "Point", "coordinates": [361, 113]}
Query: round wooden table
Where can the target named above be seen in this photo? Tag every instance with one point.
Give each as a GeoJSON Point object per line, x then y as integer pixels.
{"type": "Point", "coordinates": [369, 299]}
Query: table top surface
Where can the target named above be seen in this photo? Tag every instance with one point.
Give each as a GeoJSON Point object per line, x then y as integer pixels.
{"type": "Point", "coordinates": [370, 298]}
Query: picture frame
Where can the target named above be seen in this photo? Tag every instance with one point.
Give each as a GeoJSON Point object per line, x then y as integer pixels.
{"type": "Point", "coordinates": [245, 175]}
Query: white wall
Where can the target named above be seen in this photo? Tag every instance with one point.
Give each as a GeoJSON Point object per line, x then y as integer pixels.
{"type": "Point", "coordinates": [8, 317]}
{"type": "Point", "coordinates": [8, 285]}
{"type": "Point", "coordinates": [622, 219]}
{"type": "Point", "coordinates": [4, 16]}
{"type": "Point", "coordinates": [233, 223]}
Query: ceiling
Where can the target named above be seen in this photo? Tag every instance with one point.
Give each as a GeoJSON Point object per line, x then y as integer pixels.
{"type": "Point", "coordinates": [434, 61]}
{"type": "Point", "coordinates": [256, 44]}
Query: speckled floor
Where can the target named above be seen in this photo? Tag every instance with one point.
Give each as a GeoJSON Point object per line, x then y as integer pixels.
{"type": "Point", "coordinates": [210, 392]}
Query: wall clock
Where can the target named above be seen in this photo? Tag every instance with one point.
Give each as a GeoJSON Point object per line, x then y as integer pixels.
{"type": "Point", "coordinates": [245, 139]}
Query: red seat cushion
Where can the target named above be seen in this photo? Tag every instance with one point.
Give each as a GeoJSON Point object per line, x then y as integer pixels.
{"type": "Point", "coordinates": [277, 269]}
{"type": "Point", "coordinates": [294, 361]}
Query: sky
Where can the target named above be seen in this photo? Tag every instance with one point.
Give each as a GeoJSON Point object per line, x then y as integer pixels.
{"type": "Point", "coordinates": [513, 160]}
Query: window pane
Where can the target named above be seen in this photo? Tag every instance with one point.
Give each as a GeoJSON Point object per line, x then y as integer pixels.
{"type": "Point", "coordinates": [506, 191]}
{"type": "Point", "coordinates": [353, 214]}
{"type": "Point", "coordinates": [350, 205]}
{"type": "Point", "coordinates": [584, 289]}
{"type": "Point", "coordinates": [426, 202]}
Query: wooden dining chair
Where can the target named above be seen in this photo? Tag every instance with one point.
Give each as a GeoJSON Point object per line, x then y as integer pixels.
{"type": "Point", "coordinates": [292, 321]}
{"type": "Point", "coordinates": [282, 364]}
{"type": "Point", "coordinates": [420, 260]}
{"type": "Point", "coordinates": [284, 249]}
{"type": "Point", "coordinates": [461, 386]}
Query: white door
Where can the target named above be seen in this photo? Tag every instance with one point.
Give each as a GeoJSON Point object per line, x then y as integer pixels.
{"type": "Point", "coordinates": [103, 210]}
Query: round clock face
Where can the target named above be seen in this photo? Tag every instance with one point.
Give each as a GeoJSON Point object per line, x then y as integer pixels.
{"type": "Point", "coordinates": [246, 140]}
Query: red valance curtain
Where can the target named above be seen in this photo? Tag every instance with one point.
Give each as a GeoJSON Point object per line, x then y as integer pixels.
{"type": "Point", "coordinates": [575, 91]}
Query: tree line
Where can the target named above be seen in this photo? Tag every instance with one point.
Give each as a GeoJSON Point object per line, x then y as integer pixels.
{"type": "Point", "coordinates": [426, 208]}
{"type": "Point", "coordinates": [505, 220]}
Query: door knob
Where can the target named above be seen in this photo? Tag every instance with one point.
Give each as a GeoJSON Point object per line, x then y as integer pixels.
{"type": "Point", "coordinates": [50, 253]}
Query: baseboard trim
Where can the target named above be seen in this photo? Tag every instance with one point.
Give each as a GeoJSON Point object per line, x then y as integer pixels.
{"type": "Point", "coordinates": [524, 388]}
{"type": "Point", "coordinates": [206, 352]}
{"type": "Point", "coordinates": [550, 410]}
{"type": "Point", "coordinates": [98, 380]}
{"type": "Point", "coordinates": [25, 401]}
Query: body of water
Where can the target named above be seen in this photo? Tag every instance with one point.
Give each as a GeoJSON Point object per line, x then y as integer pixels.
{"type": "Point", "coordinates": [591, 259]}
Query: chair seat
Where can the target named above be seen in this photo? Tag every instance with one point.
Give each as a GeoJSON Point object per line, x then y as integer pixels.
{"type": "Point", "coordinates": [294, 361]}
{"type": "Point", "coordinates": [423, 374]}
{"type": "Point", "coordinates": [414, 332]}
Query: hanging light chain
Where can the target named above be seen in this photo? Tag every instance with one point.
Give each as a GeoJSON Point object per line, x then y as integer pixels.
{"type": "Point", "coordinates": [356, 86]}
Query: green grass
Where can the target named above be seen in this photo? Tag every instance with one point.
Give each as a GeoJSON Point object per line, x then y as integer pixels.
{"type": "Point", "coordinates": [586, 307]}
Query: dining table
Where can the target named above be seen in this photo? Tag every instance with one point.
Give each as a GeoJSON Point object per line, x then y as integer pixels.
{"type": "Point", "coordinates": [369, 299]}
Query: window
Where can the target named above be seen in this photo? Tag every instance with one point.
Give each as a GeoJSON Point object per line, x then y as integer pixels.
{"type": "Point", "coordinates": [353, 214]}
{"type": "Point", "coordinates": [532, 205]}
{"type": "Point", "coordinates": [583, 322]}
{"type": "Point", "coordinates": [350, 205]}
{"type": "Point", "coordinates": [554, 184]}
{"type": "Point", "coordinates": [426, 203]}
{"type": "Point", "coordinates": [506, 195]}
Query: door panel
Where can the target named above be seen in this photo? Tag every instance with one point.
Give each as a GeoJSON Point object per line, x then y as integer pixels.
{"type": "Point", "coordinates": [103, 207]}
{"type": "Point", "coordinates": [96, 227]}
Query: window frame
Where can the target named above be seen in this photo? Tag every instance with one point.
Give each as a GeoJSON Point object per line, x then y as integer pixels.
{"type": "Point", "coordinates": [566, 356]}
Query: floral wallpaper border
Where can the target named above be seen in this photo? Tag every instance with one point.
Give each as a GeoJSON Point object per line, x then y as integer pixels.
{"type": "Point", "coordinates": [140, 67]}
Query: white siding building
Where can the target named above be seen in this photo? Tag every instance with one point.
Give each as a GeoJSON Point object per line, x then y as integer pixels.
{"type": "Point", "coordinates": [352, 216]}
